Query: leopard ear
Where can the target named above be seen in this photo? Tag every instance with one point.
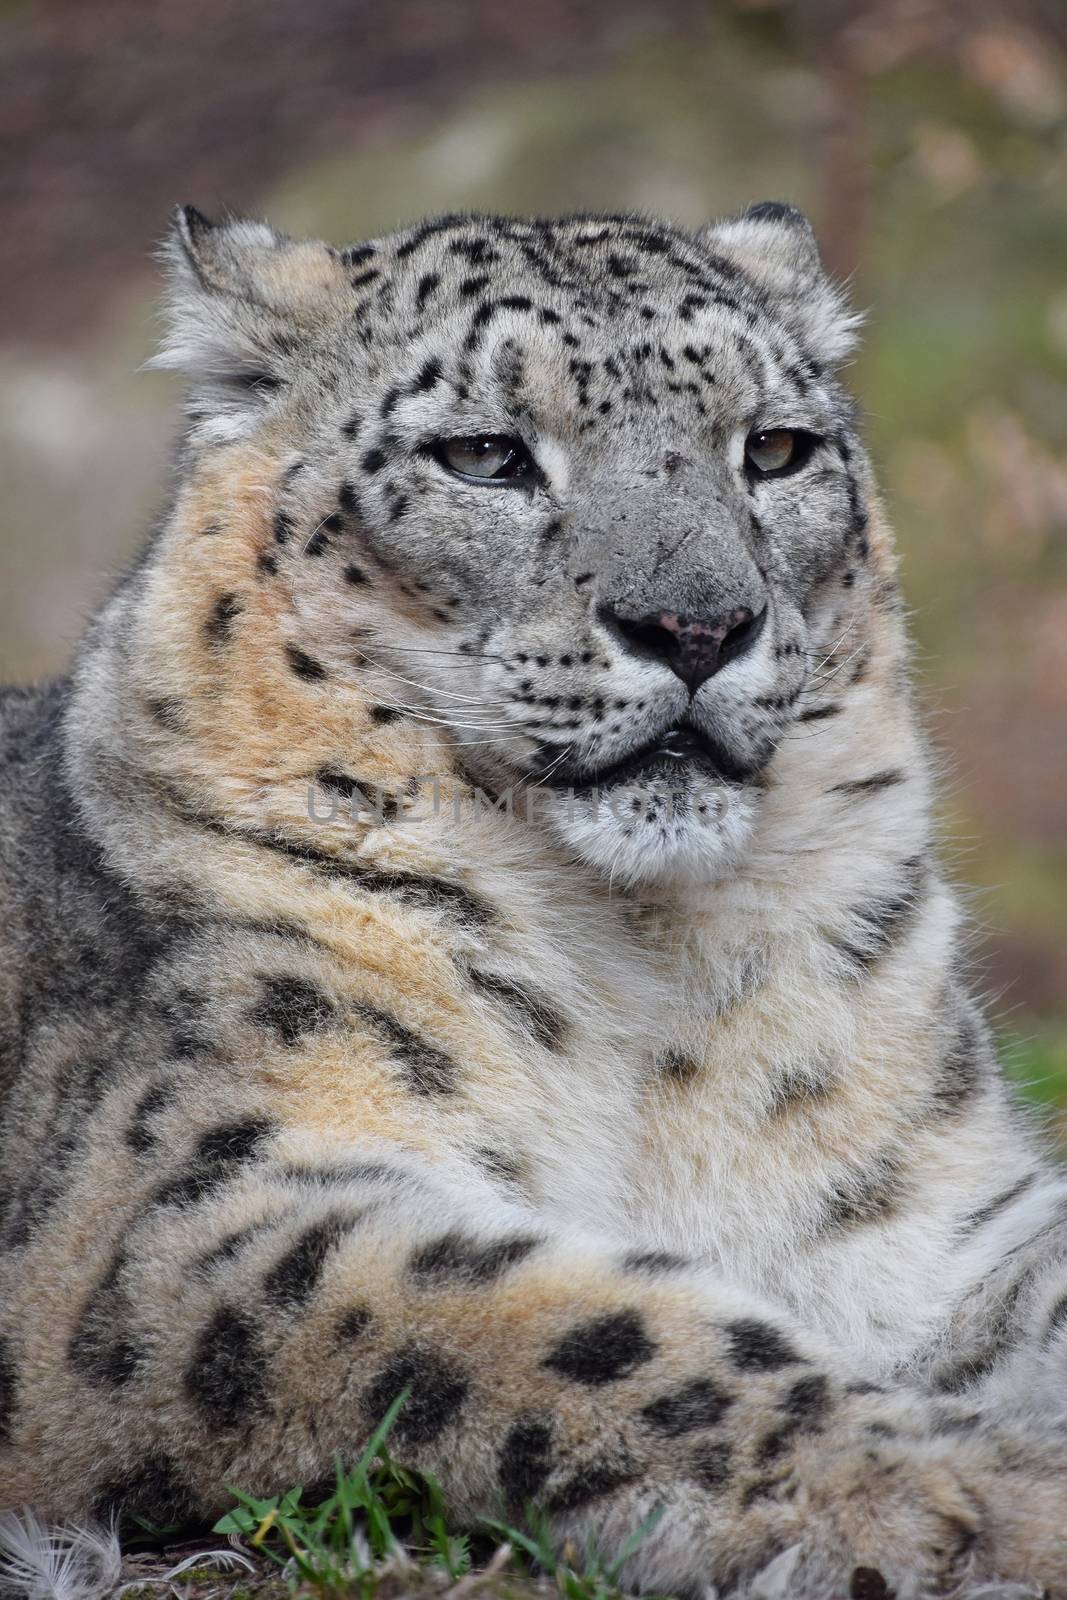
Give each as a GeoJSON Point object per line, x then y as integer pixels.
{"type": "Point", "coordinates": [242, 303]}
{"type": "Point", "coordinates": [774, 245]}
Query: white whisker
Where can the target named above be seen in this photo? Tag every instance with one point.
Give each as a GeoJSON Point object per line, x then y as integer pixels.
{"type": "Point", "coordinates": [828, 677]}
{"type": "Point", "coordinates": [414, 683]}
{"type": "Point", "coordinates": [830, 653]}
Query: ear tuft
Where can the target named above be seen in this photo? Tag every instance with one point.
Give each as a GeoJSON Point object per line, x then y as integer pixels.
{"type": "Point", "coordinates": [242, 304]}
{"type": "Point", "coordinates": [774, 244]}
{"type": "Point", "coordinates": [192, 226]}
{"type": "Point", "coordinates": [776, 211]}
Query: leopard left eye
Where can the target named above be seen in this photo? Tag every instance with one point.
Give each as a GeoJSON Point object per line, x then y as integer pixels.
{"type": "Point", "coordinates": [486, 458]}
{"type": "Point", "coordinates": [775, 452]}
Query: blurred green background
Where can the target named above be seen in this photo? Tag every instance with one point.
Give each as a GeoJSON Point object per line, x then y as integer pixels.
{"type": "Point", "coordinates": [928, 141]}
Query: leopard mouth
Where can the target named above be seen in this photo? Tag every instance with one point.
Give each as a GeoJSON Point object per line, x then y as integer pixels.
{"type": "Point", "coordinates": [679, 752]}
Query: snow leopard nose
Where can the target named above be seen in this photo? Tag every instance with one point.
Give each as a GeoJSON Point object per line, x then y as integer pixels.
{"type": "Point", "coordinates": [694, 648]}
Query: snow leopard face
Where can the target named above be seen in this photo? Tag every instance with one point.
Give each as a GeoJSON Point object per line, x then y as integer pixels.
{"type": "Point", "coordinates": [584, 490]}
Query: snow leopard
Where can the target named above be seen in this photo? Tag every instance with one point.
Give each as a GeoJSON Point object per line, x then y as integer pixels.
{"type": "Point", "coordinates": [474, 933]}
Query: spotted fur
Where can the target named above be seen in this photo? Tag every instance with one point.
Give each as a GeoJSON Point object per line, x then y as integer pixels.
{"type": "Point", "coordinates": [360, 1031]}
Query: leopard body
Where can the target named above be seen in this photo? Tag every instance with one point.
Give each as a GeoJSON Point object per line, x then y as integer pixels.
{"type": "Point", "coordinates": [357, 1035]}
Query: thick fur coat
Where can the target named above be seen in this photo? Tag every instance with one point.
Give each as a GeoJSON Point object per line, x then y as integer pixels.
{"type": "Point", "coordinates": [480, 932]}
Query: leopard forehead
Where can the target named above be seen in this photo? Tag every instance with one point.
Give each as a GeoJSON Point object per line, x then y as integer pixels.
{"type": "Point", "coordinates": [586, 324]}
{"type": "Point", "coordinates": [583, 320]}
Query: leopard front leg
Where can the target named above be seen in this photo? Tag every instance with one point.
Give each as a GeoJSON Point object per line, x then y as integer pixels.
{"type": "Point", "coordinates": [246, 1317]}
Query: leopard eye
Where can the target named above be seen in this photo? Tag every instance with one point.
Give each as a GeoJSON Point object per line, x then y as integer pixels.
{"type": "Point", "coordinates": [486, 457]}
{"type": "Point", "coordinates": [776, 451]}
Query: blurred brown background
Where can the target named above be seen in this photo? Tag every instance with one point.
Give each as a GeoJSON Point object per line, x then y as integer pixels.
{"type": "Point", "coordinates": [928, 141]}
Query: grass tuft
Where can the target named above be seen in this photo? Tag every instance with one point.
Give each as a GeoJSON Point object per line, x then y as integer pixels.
{"type": "Point", "coordinates": [384, 1534]}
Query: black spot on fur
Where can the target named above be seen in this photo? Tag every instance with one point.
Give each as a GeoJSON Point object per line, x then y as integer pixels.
{"type": "Point", "coordinates": [654, 1261]}
{"type": "Point", "coordinates": [228, 1374]}
{"type": "Point", "coordinates": [389, 401]}
{"type": "Point", "coordinates": [283, 527]}
{"type": "Point", "coordinates": [758, 1347]}
{"type": "Point", "coordinates": [799, 1087]}
{"type": "Point", "coordinates": [218, 1158]}
{"type": "Point", "coordinates": [304, 666]}
{"type": "Point", "coordinates": [364, 796]}
{"type": "Point", "coordinates": [590, 1482]}
{"type": "Point", "coordinates": [427, 1069]}
{"type": "Point", "coordinates": [373, 460]}
{"type": "Point", "coordinates": [602, 1350]}
{"type": "Point", "coordinates": [677, 1065]}
{"type": "Point", "coordinates": [453, 1258]}
{"type": "Point", "coordinates": [809, 1398]}
{"type": "Point", "coordinates": [978, 1219]}
{"type": "Point", "coordinates": [292, 1007]}
{"type": "Point", "coordinates": [697, 1404]}
{"type": "Point", "coordinates": [767, 1489]}
{"type": "Point", "coordinates": [353, 1323]}
{"type": "Point", "coordinates": [167, 713]}
{"type": "Point", "coordinates": [946, 1423]}
{"type": "Point", "coordinates": [532, 1011]}
{"type": "Point", "coordinates": [819, 713]}
{"type": "Point", "coordinates": [427, 284]}
{"type": "Point", "coordinates": [882, 920]}
{"type": "Point", "coordinates": [318, 543]}
{"type": "Point", "coordinates": [346, 499]}
{"type": "Point", "coordinates": [103, 1348]}
{"type": "Point", "coordinates": [267, 564]}
{"type": "Point", "coordinates": [427, 376]}
{"type": "Point", "coordinates": [294, 1278]}
{"type": "Point", "coordinates": [230, 1245]}
{"type": "Point", "coordinates": [342, 1173]}
{"type": "Point", "coordinates": [872, 785]}
{"type": "Point", "coordinates": [710, 1465]}
{"type": "Point", "coordinates": [355, 576]}
{"type": "Point", "coordinates": [155, 1491]}
{"type": "Point", "coordinates": [999, 1334]}
{"type": "Point", "coordinates": [867, 1194]}
{"type": "Point", "coordinates": [961, 1070]}
{"type": "Point", "coordinates": [184, 1012]}
{"type": "Point", "coordinates": [224, 612]}
{"type": "Point", "coordinates": [806, 1406]}
{"type": "Point", "coordinates": [438, 1390]}
{"type": "Point", "coordinates": [383, 714]}
{"type": "Point", "coordinates": [525, 1460]}
{"type": "Point", "coordinates": [499, 1164]}
{"type": "Point", "coordinates": [139, 1135]}
{"type": "Point", "coordinates": [234, 1143]}
{"type": "Point", "coordinates": [8, 1386]}
{"type": "Point", "coordinates": [1057, 1319]}
{"type": "Point", "coordinates": [341, 783]}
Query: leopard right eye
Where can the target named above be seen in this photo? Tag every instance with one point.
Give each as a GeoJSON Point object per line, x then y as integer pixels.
{"type": "Point", "coordinates": [485, 458]}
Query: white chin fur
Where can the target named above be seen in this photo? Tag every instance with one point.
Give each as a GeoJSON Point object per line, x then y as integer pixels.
{"type": "Point", "coordinates": [658, 833]}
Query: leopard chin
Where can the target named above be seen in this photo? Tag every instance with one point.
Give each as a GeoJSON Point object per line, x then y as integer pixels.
{"type": "Point", "coordinates": [679, 826]}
